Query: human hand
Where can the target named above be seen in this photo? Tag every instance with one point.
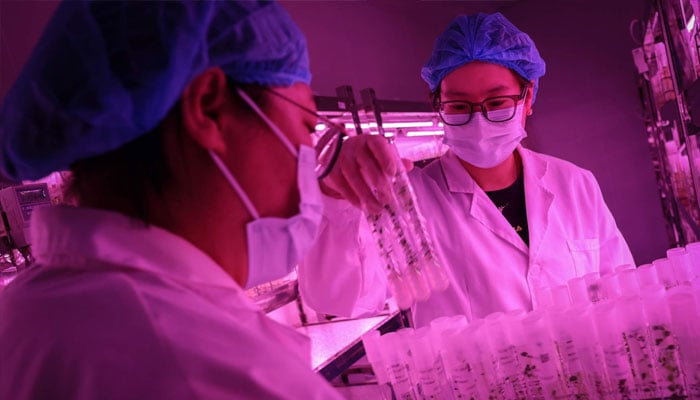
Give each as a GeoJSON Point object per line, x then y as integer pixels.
{"type": "Point", "coordinates": [362, 174]}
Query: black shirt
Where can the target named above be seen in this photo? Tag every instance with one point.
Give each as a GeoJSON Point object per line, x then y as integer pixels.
{"type": "Point", "coordinates": [511, 202]}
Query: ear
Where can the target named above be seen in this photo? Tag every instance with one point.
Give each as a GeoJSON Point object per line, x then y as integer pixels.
{"type": "Point", "coordinates": [528, 99]}
{"type": "Point", "coordinates": [203, 104]}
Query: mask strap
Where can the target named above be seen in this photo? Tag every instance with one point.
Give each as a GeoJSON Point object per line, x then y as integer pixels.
{"type": "Point", "coordinates": [269, 123]}
{"type": "Point", "coordinates": [234, 184]}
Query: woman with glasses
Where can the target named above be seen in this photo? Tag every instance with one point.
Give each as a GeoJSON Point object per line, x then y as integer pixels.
{"type": "Point", "coordinates": [186, 126]}
{"type": "Point", "coordinates": [508, 222]}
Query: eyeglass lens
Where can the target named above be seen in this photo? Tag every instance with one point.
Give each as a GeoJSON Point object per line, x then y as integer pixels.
{"type": "Point", "coordinates": [496, 109]}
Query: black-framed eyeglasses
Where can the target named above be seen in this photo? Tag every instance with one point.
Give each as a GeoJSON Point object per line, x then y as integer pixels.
{"type": "Point", "coordinates": [494, 109]}
{"type": "Point", "coordinates": [327, 141]}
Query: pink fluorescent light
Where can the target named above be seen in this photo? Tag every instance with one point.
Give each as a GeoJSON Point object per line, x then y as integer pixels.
{"type": "Point", "coordinates": [424, 133]}
{"type": "Point", "coordinates": [691, 24]}
{"type": "Point", "coordinates": [417, 124]}
{"type": "Point", "coordinates": [351, 125]}
{"type": "Point", "coordinates": [320, 127]}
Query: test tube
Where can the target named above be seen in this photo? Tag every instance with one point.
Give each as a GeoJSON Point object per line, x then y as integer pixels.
{"type": "Point", "coordinates": [429, 372]}
{"type": "Point", "coordinates": [412, 272]}
{"type": "Point", "coordinates": [539, 361]}
{"type": "Point", "coordinates": [462, 372]}
{"type": "Point", "coordinates": [395, 281]}
{"type": "Point", "coordinates": [589, 353]}
{"type": "Point", "coordinates": [430, 264]}
{"type": "Point", "coordinates": [629, 283]}
{"type": "Point", "coordinates": [624, 267]}
{"type": "Point", "coordinates": [639, 346]}
{"type": "Point", "coordinates": [685, 320]}
{"type": "Point", "coordinates": [371, 344]}
{"type": "Point", "coordinates": [578, 289]}
{"type": "Point", "coordinates": [482, 361]}
{"type": "Point", "coordinates": [613, 346]}
{"type": "Point", "coordinates": [693, 250]}
{"type": "Point", "coordinates": [563, 338]}
{"type": "Point", "coordinates": [505, 358]}
{"type": "Point", "coordinates": [647, 275]}
{"type": "Point", "coordinates": [610, 286]}
{"type": "Point", "coordinates": [441, 324]}
{"type": "Point", "coordinates": [396, 367]}
{"type": "Point", "coordinates": [402, 341]}
{"type": "Point", "coordinates": [664, 269]}
{"type": "Point", "coordinates": [665, 346]}
{"type": "Point", "coordinates": [593, 287]}
{"type": "Point", "coordinates": [682, 265]}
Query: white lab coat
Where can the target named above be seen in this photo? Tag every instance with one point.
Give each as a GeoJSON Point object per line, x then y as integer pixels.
{"type": "Point", "coordinates": [117, 310]}
{"type": "Point", "coordinates": [491, 269]}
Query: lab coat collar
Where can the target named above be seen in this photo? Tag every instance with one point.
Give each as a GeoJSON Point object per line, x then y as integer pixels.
{"type": "Point", "coordinates": [459, 181]}
{"type": "Point", "coordinates": [457, 178]}
{"type": "Point", "coordinates": [79, 236]}
{"type": "Point", "coordinates": [538, 198]}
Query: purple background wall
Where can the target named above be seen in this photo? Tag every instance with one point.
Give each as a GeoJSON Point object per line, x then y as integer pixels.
{"type": "Point", "coordinates": [587, 109]}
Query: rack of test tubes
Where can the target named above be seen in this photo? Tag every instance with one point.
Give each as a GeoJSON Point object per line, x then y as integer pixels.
{"type": "Point", "coordinates": [632, 334]}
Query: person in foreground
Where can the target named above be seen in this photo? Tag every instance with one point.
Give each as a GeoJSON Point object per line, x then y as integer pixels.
{"type": "Point", "coordinates": [509, 223]}
{"type": "Point", "coordinates": [186, 128]}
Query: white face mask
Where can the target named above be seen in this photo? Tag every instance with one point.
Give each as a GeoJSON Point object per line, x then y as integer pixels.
{"type": "Point", "coordinates": [483, 143]}
{"type": "Point", "coordinates": [276, 245]}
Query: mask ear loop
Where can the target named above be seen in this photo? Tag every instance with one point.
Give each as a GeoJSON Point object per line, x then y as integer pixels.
{"type": "Point", "coordinates": [269, 123]}
{"type": "Point", "coordinates": [234, 184]}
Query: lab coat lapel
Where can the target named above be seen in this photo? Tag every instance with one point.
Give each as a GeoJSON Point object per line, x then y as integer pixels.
{"type": "Point", "coordinates": [481, 208]}
{"type": "Point", "coordinates": [538, 199]}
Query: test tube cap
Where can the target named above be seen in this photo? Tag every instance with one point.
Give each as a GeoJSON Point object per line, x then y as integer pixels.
{"type": "Point", "coordinates": [647, 275]}
{"type": "Point", "coordinates": [664, 270]}
{"type": "Point", "coordinates": [578, 290]}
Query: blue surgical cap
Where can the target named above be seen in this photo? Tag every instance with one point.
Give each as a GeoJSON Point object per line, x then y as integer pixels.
{"type": "Point", "coordinates": [483, 37]}
{"type": "Point", "coordinates": [104, 73]}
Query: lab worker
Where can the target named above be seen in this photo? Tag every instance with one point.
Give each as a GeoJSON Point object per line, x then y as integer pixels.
{"type": "Point", "coordinates": [186, 127]}
{"type": "Point", "coordinates": [509, 223]}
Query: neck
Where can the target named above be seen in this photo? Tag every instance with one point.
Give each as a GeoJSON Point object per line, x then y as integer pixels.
{"type": "Point", "coordinates": [499, 177]}
{"type": "Point", "coordinates": [199, 206]}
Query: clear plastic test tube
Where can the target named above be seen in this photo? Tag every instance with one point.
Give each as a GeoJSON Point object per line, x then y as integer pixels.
{"type": "Point", "coordinates": [589, 352]}
{"type": "Point", "coordinates": [693, 250]}
{"type": "Point", "coordinates": [629, 282]}
{"type": "Point", "coordinates": [667, 363]}
{"type": "Point", "coordinates": [371, 343]}
{"type": "Point", "coordinates": [610, 286]}
{"type": "Point", "coordinates": [664, 270]}
{"type": "Point", "coordinates": [430, 264]}
{"type": "Point", "coordinates": [614, 351]}
{"type": "Point", "coordinates": [460, 368]}
{"type": "Point", "coordinates": [539, 360]}
{"type": "Point", "coordinates": [429, 370]}
{"type": "Point", "coordinates": [398, 286]}
{"type": "Point", "coordinates": [639, 345]}
{"type": "Point", "coordinates": [647, 276]}
{"type": "Point", "coordinates": [682, 265]}
{"type": "Point", "coordinates": [396, 368]}
{"type": "Point", "coordinates": [685, 320]}
{"type": "Point", "coordinates": [561, 327]}
{"type": "Point", "coordinates": [505, 358]}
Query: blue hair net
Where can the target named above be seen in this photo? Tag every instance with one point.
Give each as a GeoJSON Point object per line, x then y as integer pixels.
{"type": "Point", "coordinates": [104, 73]}
{"type": "Point", "coordinates": [484, 37]}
